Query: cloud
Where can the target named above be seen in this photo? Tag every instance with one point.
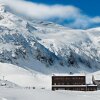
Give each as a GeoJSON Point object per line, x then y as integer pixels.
{"type": "Point", "coordinates": [41, 11]}
{"type": "Point", "coordinates": [73, 15]}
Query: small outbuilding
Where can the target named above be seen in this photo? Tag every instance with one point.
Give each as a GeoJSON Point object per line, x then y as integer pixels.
{"type": "Point", "coordinates": [96, 81]}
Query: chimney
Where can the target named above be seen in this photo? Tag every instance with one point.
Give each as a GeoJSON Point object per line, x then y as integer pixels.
{"type": "Point", "coordinates": [93, 79]}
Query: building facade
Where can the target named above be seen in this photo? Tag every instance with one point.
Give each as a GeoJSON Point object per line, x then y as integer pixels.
{"type": "Point", "coordinates": [77, 83]}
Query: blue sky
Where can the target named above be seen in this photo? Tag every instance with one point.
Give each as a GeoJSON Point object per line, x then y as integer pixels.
{"type": "Point", "coordinates": [90, 7]}
{"type": "Point", "coordinates": [80, 14]}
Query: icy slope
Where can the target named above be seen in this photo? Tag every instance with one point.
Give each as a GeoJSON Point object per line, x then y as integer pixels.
{"type": "Point", "coordinates": [47, 47]}
{"type": "Point", "coordinates": [23, 77]}
{"type": "Point", "coordinates": [12, 75]}
{"type": "Point", "coordinates": [18, 44]}
{"type": "Point", "coordinates": [77, 47]}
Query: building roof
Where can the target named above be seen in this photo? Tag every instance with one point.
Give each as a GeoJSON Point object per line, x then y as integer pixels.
{"type": "Point", "coordinates": [72, 85]}
{"type": "Point", "coordinates": [97, 77]}
{"type": "Point", "coordinates": [68, 75]}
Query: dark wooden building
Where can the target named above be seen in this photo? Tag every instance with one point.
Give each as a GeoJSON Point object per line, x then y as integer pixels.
{"type": "Point", "coordinates": [71, 83]}
{"type": "Point", "coordinates": [68, 80]}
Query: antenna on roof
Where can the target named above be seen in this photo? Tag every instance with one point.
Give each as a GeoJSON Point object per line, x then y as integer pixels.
{"type": "Point", "coordinates": [53, 74]}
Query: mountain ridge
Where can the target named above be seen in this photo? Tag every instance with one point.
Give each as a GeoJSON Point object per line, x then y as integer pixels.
{"type": "Point", "coordinates": [27, 43]}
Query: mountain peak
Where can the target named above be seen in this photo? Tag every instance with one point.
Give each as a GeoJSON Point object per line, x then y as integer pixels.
{"type": "Point", "coordinates": [2, 7]}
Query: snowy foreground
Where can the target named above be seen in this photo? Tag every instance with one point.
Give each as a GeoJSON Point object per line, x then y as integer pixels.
{"type": "Point", "coordinates": [39, 94]}
{"type": "Point", "coordinates": [16, 77]}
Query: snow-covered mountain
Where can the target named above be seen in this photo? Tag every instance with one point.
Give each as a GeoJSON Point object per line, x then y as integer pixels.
{"type": "Point", "coordinates": [31, 51]}
{"type": "Point", "coordinates": [45, 46]}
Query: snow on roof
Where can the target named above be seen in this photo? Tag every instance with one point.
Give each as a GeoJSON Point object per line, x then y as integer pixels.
{"type": "Point", "coordinates": [68, 74]}
{"type": "Point", "coordinates": [97, 77]}
{"type": "Point", "coordinates": [72, 85]}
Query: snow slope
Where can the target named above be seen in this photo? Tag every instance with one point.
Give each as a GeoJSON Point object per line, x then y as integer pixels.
{"type": "Point", "coordinates": [45, 46]}
{"type": "Point", "coordinates": [23, 77]}
{"type": "Point", "coordinates": [39, 94]}
{"type": "Point", "coordinates": [31, 51]}
{"type": "Point", "coordinates": [30, 78]}
{"type": "Point", "coordinates": [43, 93]}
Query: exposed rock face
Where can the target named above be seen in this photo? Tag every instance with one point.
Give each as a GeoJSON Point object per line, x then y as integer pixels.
{"type": "Point", "coordinates": [24, 42]}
